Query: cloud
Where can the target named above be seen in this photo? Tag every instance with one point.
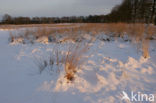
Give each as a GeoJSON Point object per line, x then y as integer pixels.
{"type": "Point", "coordinates": [96, 3]}
{"type": "Point", "coordinates": [56, 7]}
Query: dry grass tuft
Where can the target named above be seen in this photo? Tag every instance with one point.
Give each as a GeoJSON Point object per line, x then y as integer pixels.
{"type": "Point", "coordinates": [151, 31]}
{"type": "Point", "coordinates": [42, 64]}
{"type": "Point", "coordinates": [11, 37]}
{"type": "Point", "coordinates": [73, 60]}
{"type": "Point", "coordinates": [145, 48]}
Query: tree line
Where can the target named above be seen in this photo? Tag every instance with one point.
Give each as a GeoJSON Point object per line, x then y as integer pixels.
{"type": "Point", "coordinates": [7, 19]}
{"type": "Point", "coordinates": [143, 11]}
{"type": "Point", "coordinates": [130, 11]}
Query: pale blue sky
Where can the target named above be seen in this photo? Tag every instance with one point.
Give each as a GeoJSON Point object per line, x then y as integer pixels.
{"type": "Point", "coordinates": [56, 7]}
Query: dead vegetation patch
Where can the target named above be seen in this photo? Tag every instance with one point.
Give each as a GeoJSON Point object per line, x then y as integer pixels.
{"type": "Point", "coordinates": [137, 33]}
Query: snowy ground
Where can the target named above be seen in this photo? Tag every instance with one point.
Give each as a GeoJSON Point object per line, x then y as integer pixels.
{"type": "Point", "coordinates": [111, 67]}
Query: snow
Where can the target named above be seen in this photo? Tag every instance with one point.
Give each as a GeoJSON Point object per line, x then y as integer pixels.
{"type": "Point", "coordinates": [109, 68]}
{"type": "Point", "coordinates": [43, 40]}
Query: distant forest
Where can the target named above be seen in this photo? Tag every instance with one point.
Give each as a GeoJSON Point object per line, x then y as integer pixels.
{"type": "Point", "coordinates": [129, 11]}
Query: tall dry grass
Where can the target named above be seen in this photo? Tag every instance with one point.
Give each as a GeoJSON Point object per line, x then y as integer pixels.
{"type": "Point", "coordinates": [74, 59]}
{"type": "Point", "coordinates": [71, 61]}
{"type": "Point", "coordinates": [138, 33]}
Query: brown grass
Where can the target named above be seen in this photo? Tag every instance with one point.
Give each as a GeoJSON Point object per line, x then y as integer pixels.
{"type": "Point", "coordinates": [136, 32]}
{"type": "Point", "coordinates": [73, 60]}
{"type": "Point", "coordinates": [7, 26]}
{"type": "Point", "coordinates": [145, 48]}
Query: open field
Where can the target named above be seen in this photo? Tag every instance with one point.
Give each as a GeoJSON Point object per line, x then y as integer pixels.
{"type": "Point", "coordinates": [76, 63]}
{"type": "Point", "coordinates": [34, 25]}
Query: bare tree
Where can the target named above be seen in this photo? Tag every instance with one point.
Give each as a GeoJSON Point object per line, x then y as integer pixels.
{"type": "Point", "coordinates": [153, 14]}
{"type": "Point", "coordinates": [7, 18]}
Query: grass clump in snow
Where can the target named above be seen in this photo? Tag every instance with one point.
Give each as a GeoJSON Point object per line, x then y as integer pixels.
{"type": "Point", "coordinates": [73, 60]}
{"type": "Point", "coordinates": [51, 63]}
{"type": "Point", "coordinates": [44, 64]}
{"type": "Point", "coordinates": [69, 61]}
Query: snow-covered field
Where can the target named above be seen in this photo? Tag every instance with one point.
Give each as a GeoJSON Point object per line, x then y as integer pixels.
{"type": "Point", "coordinates": [110, 68]}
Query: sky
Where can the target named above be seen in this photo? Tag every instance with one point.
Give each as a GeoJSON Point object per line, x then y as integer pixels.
{"type": "Point", "coordinates": [53, 8]}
